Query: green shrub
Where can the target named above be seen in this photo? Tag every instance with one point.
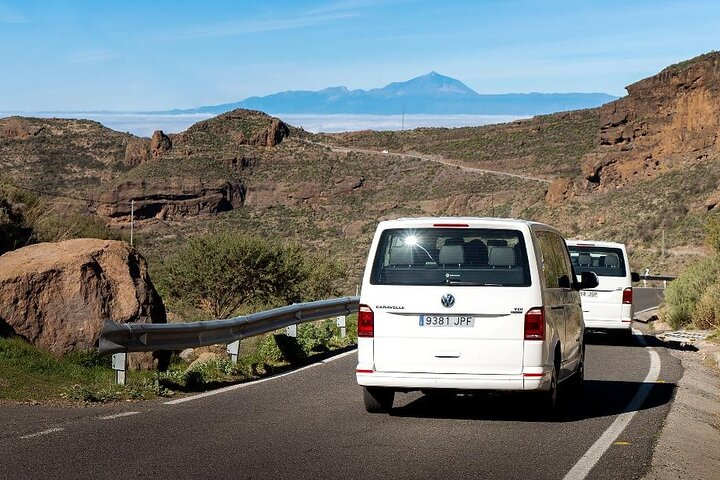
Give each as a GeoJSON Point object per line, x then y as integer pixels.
{"type": "Point", "coordinates": [225, 272]}
{"type": "Point", "coordinates": [707, 312]}
{"type": "Point", "coordinates": [267, 350]}
{"type": "Point", "coordinates": [684, 293]}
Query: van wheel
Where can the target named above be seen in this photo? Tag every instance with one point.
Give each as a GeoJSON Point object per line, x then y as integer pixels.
{"type": "Point", "coordinates": [551, 396]}
{"type": "Point", "coordinates": [378, 400]}
{"type": "Point", "coordinates": [552, 399]}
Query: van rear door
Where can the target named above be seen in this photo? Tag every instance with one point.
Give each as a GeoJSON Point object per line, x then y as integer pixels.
{"type": "Point", "coordinates": [450, 300]}
{"type": "Point", "coordinates": [604, 302]}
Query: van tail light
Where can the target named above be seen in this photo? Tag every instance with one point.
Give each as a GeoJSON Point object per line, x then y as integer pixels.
{"type": "Point", "coordinates": [627, 296]}
{"type": "Point", "coordinates": [366, 322]}
{"type": "Point", "coordinates": [535, 324]}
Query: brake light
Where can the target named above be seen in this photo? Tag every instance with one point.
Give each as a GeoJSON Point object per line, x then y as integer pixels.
{"type": "Point", "coordinates": [366, 322]}
{"type": "Point", "coordinates": [627, 296]}
{"type": "Point", "coordinates": [535, 324]}
{"type": "Point", "coordinates": [451, 225]}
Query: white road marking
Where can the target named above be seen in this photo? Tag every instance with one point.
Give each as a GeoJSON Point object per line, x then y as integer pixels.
{"type": "Point", "coordinates": [595, 452]}
{"type": "Point", "coordinates": [118, 415]}
{"type": "Point", "coordinates": [256, 382]}
{"type": "Point", "coordinates": [648, 309]}
{"type": "Point", "coordinates": [44, 432]}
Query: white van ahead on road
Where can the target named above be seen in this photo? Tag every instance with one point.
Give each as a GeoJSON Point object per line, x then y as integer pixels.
{"type": "Point", "coordinates": [468, 304]}
{"type": "Point", "coordinates": [610, 304]}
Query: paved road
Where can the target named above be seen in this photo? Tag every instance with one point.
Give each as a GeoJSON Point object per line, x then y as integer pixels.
{"type": "Point", "coordinates": [311, 424]}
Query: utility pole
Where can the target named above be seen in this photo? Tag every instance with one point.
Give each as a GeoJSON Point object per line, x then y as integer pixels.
{"type": "Point", "coordinates": [132, 221]}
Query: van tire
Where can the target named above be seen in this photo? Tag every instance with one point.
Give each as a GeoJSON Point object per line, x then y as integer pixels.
{"type": "Point", "coordinates": [550, 398]}
{"type": "Point", "coordinates": [378, 400]}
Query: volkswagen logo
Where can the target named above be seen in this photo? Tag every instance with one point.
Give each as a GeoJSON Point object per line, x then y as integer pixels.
{"type": "Point", "coordinates": [447, 300]}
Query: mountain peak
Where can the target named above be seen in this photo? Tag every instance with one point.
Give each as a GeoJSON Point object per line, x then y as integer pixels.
{"type": "Point", "coordinates": [431, 83]}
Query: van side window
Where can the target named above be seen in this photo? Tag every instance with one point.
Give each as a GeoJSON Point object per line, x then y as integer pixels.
{"type": "Point", "coordinates": [555, 261]}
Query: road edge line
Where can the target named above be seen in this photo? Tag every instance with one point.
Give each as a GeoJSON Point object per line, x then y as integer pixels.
{"type": "Point", "coordinates": [591, 457]}
{"type": "Point", "coordinates": [256, 382]}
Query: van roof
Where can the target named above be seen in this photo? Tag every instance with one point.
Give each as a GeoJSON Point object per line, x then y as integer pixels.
{"type": "Point", "coordinates": [595, 243]}
{"type": "Point", "coordinates": [459, 221]}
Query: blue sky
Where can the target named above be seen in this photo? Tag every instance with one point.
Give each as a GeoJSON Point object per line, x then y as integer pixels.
{"type": "Point", "coordinates": [139, 55]}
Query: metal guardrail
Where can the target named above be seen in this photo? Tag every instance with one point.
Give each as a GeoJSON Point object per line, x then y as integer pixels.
{"type": "Point", "coordinates": [657, 277]}
{"type": "Point", "coordinates": [147, 337]}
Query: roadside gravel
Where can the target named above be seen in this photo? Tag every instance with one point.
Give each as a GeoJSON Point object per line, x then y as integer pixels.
{"type": "Point", "coordinates": [689, 444]}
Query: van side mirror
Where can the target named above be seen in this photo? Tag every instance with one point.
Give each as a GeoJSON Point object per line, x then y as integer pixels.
{"type": "Point", "coordinates": [587, 280]}
{"type": "Point", "coordinates": [564, 282]}
{"type": "Point", "coordinates": [634, 276]}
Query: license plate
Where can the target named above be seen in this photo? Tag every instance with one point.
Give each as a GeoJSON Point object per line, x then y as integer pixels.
{"type": "Point", "coordinates": [447, 321]}
{"type": "Point", "coordinates": [585, 293]}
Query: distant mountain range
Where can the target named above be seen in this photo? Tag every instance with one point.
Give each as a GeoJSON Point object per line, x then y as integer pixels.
{"type": "Point", "coordinates": [431, 94]}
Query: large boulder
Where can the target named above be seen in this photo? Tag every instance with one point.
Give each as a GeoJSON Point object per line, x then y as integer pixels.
{"type": "Point", "coordinates": [56, 295]}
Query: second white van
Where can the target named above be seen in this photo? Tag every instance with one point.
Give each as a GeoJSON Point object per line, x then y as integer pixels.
{"type": "Point", "coordinates": [468, 304]}
{"type": "Point", "coordinates": [609, 306]}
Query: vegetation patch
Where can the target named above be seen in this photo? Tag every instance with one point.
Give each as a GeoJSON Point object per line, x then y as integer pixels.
{"type": "Point", "coordinates": [29, 374]}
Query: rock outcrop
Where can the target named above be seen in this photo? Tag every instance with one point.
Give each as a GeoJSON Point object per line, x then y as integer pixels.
{"type": "Point", "coordinates": [667, 121]}
{"type": "Point", "coordinates": [137, 151]}
{"type": "Point", "coordinates": [168, 198]}
{"type": "Point", "coordinates": [271, 136]}
{"type": "Point", "coordinates": [159, 144]}
{"type": "Point", "coordinates": [560, 190]}
{"type": "Point", "coordinates": [56, 295]}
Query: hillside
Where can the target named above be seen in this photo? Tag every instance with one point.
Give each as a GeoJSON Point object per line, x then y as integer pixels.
{"type": "Point", "coordinates": [65, 154]}
{"type": "Point", "coordinates": [643, 166]}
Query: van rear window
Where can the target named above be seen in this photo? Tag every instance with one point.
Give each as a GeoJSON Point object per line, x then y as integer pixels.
{"type": "Point", "coordinates": [451, 256]}
{"type": "Point", "coordinates": [604, 261]}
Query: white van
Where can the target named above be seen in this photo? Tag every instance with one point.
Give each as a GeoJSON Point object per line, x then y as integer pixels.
{"type": "Point", "coordinates": [609, 306]}
{"type": "Point", "coordinates": [468, 304]}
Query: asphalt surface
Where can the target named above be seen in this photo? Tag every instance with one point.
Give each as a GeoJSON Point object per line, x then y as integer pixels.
{"type": "Point", "coordinates": [311, 424]}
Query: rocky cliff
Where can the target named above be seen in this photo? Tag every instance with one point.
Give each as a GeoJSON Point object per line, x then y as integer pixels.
{"type": "Point", "coordinates": [170, 198]}
{"type": "Point", "coordinates": [667, 121]}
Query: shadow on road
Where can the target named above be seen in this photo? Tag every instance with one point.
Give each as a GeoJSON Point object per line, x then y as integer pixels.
{"type": "Point", "coordinates": [596, 398]}
{"type": "Point", "coordinates": [619, 339]}
{"type": "Point", "coordinates": [593, 337]}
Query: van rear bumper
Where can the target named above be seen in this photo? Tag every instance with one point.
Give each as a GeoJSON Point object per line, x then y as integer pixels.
{"type": "Point", "coordinates": [419, 381]}
{"type": "Point", "coordinates": [625, 324]}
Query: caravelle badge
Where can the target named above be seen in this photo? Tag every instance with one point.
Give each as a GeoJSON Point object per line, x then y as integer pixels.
{"type": "Point", "coordinates": [447, 300]}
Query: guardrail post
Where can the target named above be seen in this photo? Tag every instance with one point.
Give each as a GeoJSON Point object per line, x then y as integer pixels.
{"type": "Point", "coordinates": [341, 324]}
{"type": "Point", "coordinates": [291, 331]}
{"type": "Point", "coordinates": [119, 364]}
{"type": "Point", "coordinates": [234, 350]}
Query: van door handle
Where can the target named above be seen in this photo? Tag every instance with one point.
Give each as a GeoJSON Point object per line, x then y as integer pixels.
{"type": "Point", "coordinates": [557, 308]}
{"type": "Point", "coordinates": [447, 355]}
